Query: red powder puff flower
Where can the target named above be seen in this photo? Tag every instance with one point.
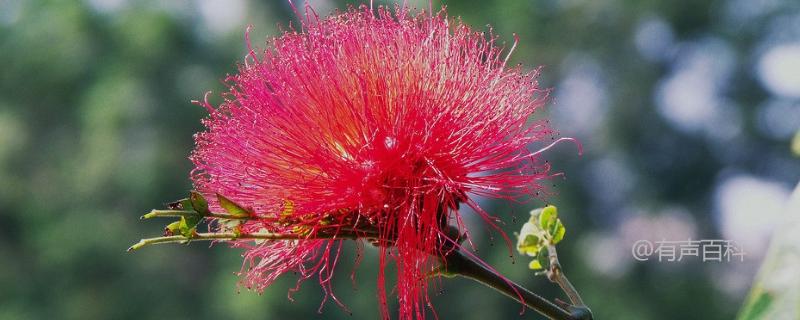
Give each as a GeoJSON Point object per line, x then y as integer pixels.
{"type": "Point", "coordinates": [369, 124]}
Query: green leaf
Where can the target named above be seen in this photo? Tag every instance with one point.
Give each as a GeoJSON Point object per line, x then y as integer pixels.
{"type": "Point", "coordinates": [231, 207]}
{"type": "Point", "coordinates": [199, 203]}
{"type": "Point", "coordinates": [774, 293]}
{"type": "Point", "coordinates": [542, 230]}
{"type": "Point", "coordinates": [530, 240]}
{"type": "Point", "coordinates": [535, 265]}
{"type": "Point", "coordinates": [530, 245]}
{"type": "Point", "coordinates": [757, 305]}
{"type": "Point", "coordinates": [543, 258]}
{"type": "Point", "coordinates": [548, 217]}
{"type": "Point", "coordinates": [558, 234]}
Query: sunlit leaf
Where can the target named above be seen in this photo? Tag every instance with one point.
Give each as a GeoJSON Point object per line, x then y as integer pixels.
{"type": "Point", "coordinates": [548, 217]}
{"type": "Point", "coordinates": [558, 233]}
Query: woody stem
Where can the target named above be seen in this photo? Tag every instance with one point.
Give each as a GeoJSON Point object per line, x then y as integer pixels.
{"type": "Point", "coordinates": [456, 263]}
{"type": "Point", "coordinates": [556, 274]}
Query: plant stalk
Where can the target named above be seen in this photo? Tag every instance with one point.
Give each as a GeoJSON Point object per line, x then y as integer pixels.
{"type": "Point", "coordinates": [187, 213]}
{"type": "Point", "coordinates": [556, 275]}
{"type": "Point", "coordinates": [230, 236]}
{"type": "Point", "coordinates": [456, 263]}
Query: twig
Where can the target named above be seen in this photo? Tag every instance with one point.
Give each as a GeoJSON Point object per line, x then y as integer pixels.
{"type": "Point", "coordinates": [187, 213]}
{"type": "Point", "coordinates": [556, 275]}
{"type": "Point", "coordinates": [456, 263]}
{"type": "Point", "coordinates": [231, 236]}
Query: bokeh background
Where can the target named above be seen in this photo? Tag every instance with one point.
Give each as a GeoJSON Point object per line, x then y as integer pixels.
{"type": "Point", "coordinates": [685, 110]}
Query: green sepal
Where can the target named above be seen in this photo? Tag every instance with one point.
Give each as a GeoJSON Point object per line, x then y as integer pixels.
{"type": "Point", "coordinates": [231, 207]}
{"type": "Point", "coordinates": [186, 204]}
{"type": "Point", "coordinates": [182, 204]}
{"type": "Point", "coordinates": [188, 224]}
{"type": "Point", "coordinates": [172, 228]}
{"type": "Point", "coordinates": [198, 203]}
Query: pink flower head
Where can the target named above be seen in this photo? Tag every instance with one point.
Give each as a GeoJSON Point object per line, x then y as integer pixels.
{"type": "Point", "coordinates": [370, 124]}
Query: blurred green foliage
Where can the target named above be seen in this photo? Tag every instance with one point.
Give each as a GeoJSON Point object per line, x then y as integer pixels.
{"type": "Point", "coordinates": [96, 125]}
{"type": "Point", "coordinates": [776, 292]}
